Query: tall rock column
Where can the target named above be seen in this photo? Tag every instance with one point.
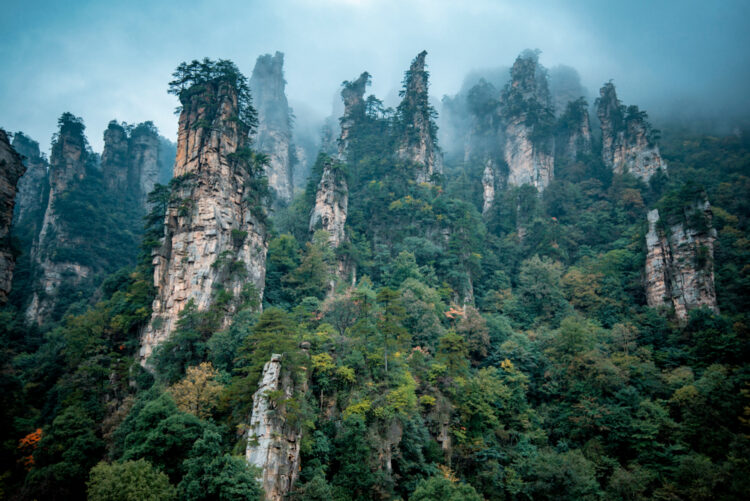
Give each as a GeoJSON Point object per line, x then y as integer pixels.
{"type": "Point", "coordinates": [214, 237]}
{"type": "Point", "coordinates": [274, 134]}
{"type": "Point", "coordinates": [115, 157]}
{"type": "Point", "coordinates": [11, 170]}
{"type": "Point", "coordinates": [272, 444]}
{"type": "Point", "coordinates": [628, 141]}
{"type": "Point", "coordinates": [418, 133]}
{"type": "Point", "coordinates": [527, 113]}
{"type": "Point", "coordinates": [32, 185]}
{"type": "Point", "coordinates": [56, 264]}
{"type": "Point", "coordinates": [331, 203]}
{"type": "Point", "coordinates": [574, 138]}
{"type": "Point", "coordinates": [353, 95]}
{"type": "Point", "coordinates": [679, 262]}
{"type": "Point", "coordinates": [143, 162]}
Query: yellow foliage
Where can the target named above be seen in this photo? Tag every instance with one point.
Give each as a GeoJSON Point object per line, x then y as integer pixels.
{"type": "Point", "coordinates": [322, 362]}
{"type": "Point", "coordinates": [361, 408]}
{"type": "Point", "coordinates": [198, 392]}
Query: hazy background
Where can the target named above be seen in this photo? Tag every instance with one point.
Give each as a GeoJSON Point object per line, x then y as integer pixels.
{"type": "Point", "coordinates": [103, 60]}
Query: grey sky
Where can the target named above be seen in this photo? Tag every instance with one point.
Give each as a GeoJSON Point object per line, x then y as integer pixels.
{"type": "Point", "coordinates": [103, 60]}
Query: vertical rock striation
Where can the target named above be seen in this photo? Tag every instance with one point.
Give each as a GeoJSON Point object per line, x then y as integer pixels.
{"type": "Point", "coordinates": [32, 186]}
{"type": "Point", "coordinates": [417, 141]}
{"type": "Point", "coordinates": [574, 137]}
{"type": "Point", "coordinates": [11, 170]}
{"type": "Point", "coordinates": [527, 113]}
{"type": "Point", "coordinates": [353, 95]}
{"type": "Point", "coordinates": [331, 203]}
{"type": "Point", "coordinates": [214, 235]}
{"type": "Point", "coordinates": [272, 444]}
{"type": "Point", "coordinates": [56, 263]}
{"type": "Point", "coordinates": [274, 134]}
{"type": "Point", "coordinates": [115, 157]}
{"type": "Point", "coordinates": [679, 261]}
{"type": "Point", "coordinates": [628, 141]}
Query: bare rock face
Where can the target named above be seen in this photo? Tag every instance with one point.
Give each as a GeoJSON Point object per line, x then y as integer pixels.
{"type": "Point", "coordinates": [418, 141]}
{"type": "Point", "coordinates": [489, 185]}
{"type": "Point", "coordinates": [11, 170]}
{"type": "Point", "coordinates": [679, 263]}
{"type": "Point", "coordinates": [331, 203]}
{"type": "Point", "coordinates": [628, 141]}
{"type": "Point", "coordinates": [353, 95]}
{"type": "Point", "coordinates": [68, 165]}
{"type": "Point", "coordinates": [130, 160]}
{"type": "Point", "coordinates": [274, 134]}
{"type": "Point", "coordinates": [574, 139]}
{"type": "Point", "coordinates": [527, 112]}
{"type": "Point", "coordinates": [33, 184]}
{"type": "Point", "coordinates": [213, 237]}
{"type": "Point", "coordinates": [273, 445]}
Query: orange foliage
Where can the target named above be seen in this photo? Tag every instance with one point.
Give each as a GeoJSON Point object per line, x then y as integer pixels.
{"type": "Point", "coordinates": [28, 444]}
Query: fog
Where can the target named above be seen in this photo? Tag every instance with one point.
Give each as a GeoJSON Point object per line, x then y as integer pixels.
{"type": "Point", "coordinates": [103, 60]}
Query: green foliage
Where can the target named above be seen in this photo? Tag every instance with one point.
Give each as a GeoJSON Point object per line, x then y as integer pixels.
{"type": "Point", "coordinates": [439, 488]}
{"type": "Point", "coordinates": [129, 481]}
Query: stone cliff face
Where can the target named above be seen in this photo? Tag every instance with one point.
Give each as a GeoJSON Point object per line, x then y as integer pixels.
{"type": "Point", "coordinates": [213, 240]}
{"type": "Point", "coordinates": [574, 139]}
{"type": "Point", "coordinates": [130, 160]}
{"type": "Point", "coordinates": [33, 184]}
{"type": "Point", "coordinates": [527, 113]}
{"type": "Point", "coordinates": [331, 203]}
{"type": "Point", "coordinates": [418, 141]}
{"type": "Point", "coordinates": [353, 95]}
{"type": "Point", "coordinates": [11, 170]}
{"type": "Point", "coordinates": [679, 262]}
{"type": "Point", "coordinates": [628, 142]}
{"type": "Point", "coordinates": [273, 445]}
{"type": "Point", "coordinates": [274, 134]}
{"type": "Point", "coordinates": [69, 161]}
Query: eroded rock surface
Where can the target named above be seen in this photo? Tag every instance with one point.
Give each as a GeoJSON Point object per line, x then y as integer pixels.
{"type": "Point", "coordinates": [33, 184]}
{"type": "Point", "coordinates": [214, 238]}
{"type": "Point", "coordinates": [331, 203]}
{"type": "Point", "coordinates": [679, 262]}
{"type": "Point", "coordinates": [353, 95]}
{"type": "Point", "coordinates": [11, 170]}
{"type": "Point", "coordinates": [130, 160]}
{"type": "Point", "coordinates": [574, 139]}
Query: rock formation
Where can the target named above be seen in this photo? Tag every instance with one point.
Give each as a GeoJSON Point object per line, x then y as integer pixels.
{"type": "Point", "coordinates": [417, 143]}
{"type": "Point", "coordinates": [32, 186]}
{"type": "Point", "coordinates": [527, 114]}
{"type": "Point", "coordinates": [11, 170]}
{"type": "Point", "coordinates": [274, 134]}
{"type": "Point", "coordinates": [574, 137]}
{"type": "Point", "coordinates": [628, 141]}
{"type": "Point", "coordinates": [69, 161]}
{"type": "Point", "coordinates": [130, 160]}
{"type": "Point", "coordinates": [353, 95]}
{"type": "Point", "coordinates": [679, 262]}
{"type": "Point", "coordinates": [272, 444]}
{"type": "Point", "coordinates": [331, 203]}
{"type": "Point", "coordinates": [214, 235]}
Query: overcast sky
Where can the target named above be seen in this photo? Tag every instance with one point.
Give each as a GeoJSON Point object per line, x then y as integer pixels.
{"type": "Point", "coordinates": [103, 59]}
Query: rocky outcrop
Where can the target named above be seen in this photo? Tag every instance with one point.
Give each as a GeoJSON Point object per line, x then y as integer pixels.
{"type": "Point", "coordinates": [527, 114]}
{"type": "Point", "coordinates": [417, 141]}
{"type": "Point", "coordinates": [628, 141]}
{"type": "Point", "coordinates": [353, 95]}
{"type": "Point", "coordinates": [274, 133]}
{"type": "Point", "coordinates": [490, 181]}
{"type": "Point", "coordinates": [272, 444]}
{"type": "Point", "coordinates": [69, 161]}
{"type": "Point", "coordinates": [331, 203]}
{"type": "Point", "coordinates": [214, 234]}
{"type": "Point", "coordinates": [11, 170]}
{"type": "Point", "coordinates": [33, 184]}
{"type": "Point", "coordinates": [679, 261]}
{"type": "Point", "coordinates": [130, 160]}
{"type": "Point", "coordinates": [574, 137]}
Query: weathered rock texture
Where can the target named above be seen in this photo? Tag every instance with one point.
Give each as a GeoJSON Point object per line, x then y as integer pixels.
{"type": "Point", "coordinates": [628, 142]}
{"type": "Point", "coordinates": [272, 444]}
{"type": "Point", "coordinates": [130, 160]}
{"type": "Point", "coordinates": [679, 262]}
{"type": "Point", "coordinates": [32, 186]}
{"type": "Point", "coordinates": [11, 170]}
{"type": "Point", "coordinates": [574, 137]}
{"type": "Point", "coordinates": [274, 134]}
{"type": "Point", "coordinates": [417, 143]}
{"type": "Point", "coordinates": [526, 111]}
{"type": "Point", "coordinates": [69, 161]}
{"type": "Point", "coordinates": [213, 239]}
{"type": "Point", "coordinates": [331, 203]}
{"type": "Point", "coordinates": [353, 95]}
